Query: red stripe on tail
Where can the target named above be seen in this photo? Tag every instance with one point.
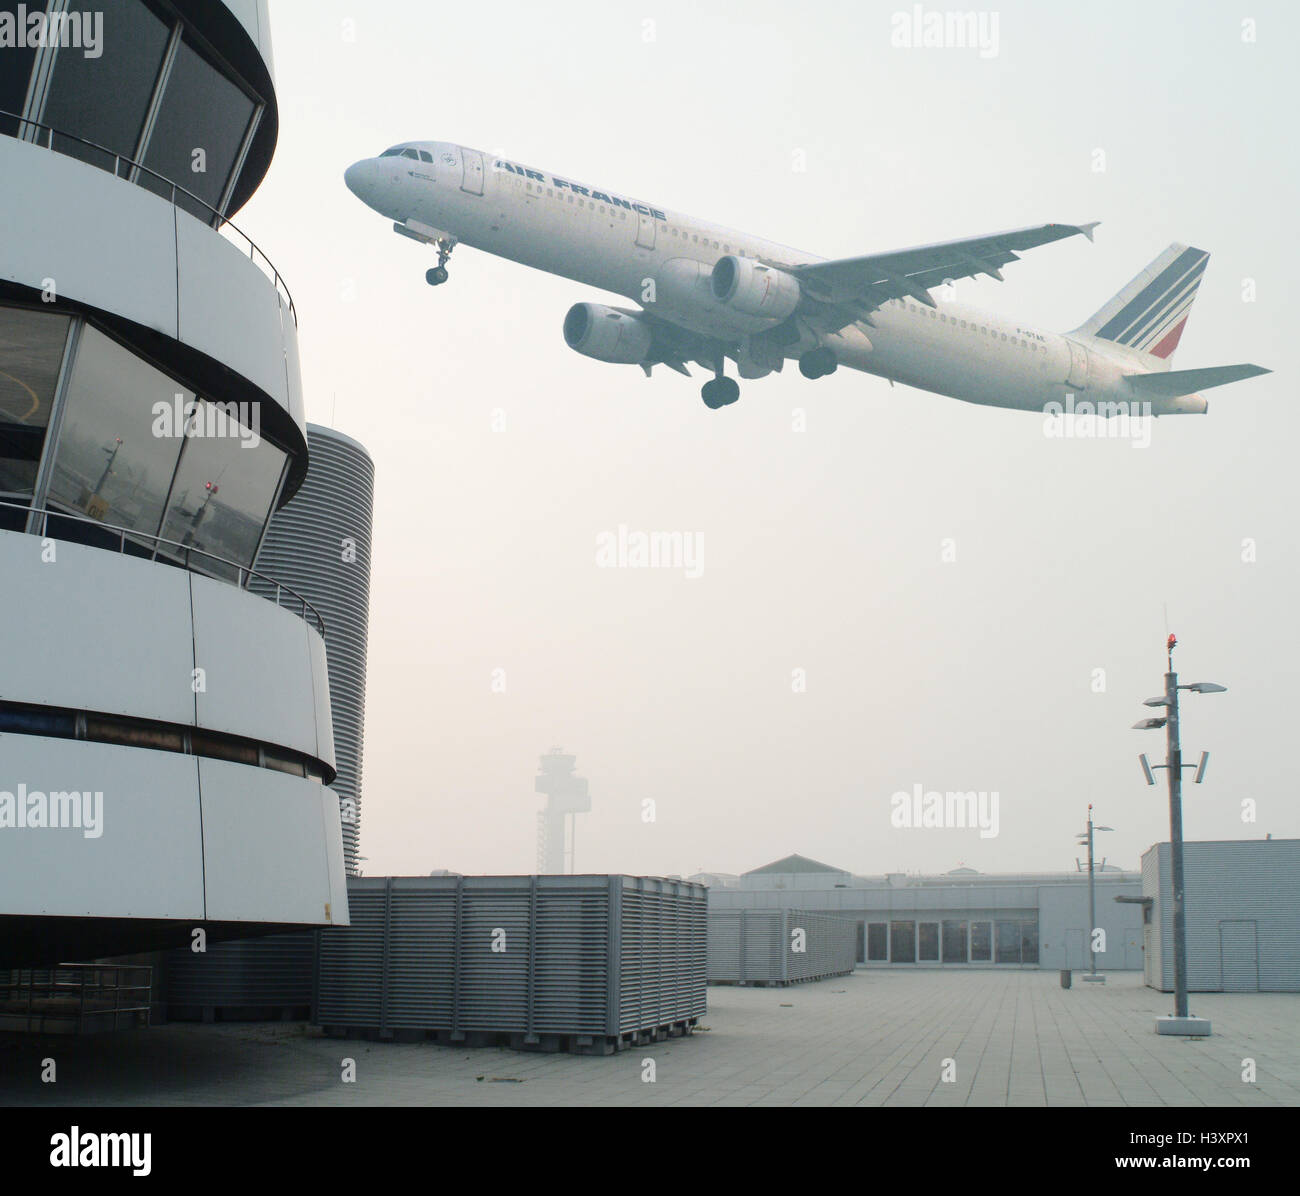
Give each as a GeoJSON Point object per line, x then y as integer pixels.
{"type": "Point", "coordinates": [1166, 347]}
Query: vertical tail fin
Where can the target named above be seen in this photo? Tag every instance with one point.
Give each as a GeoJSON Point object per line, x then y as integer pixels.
{"type": "Point", "coordinates": [1149, 313]}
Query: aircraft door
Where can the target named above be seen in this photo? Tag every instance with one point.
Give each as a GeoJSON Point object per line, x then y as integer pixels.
{"type": "Point", "coordinates": [645, 231]}
{"type": "Point", "coordinates": [1078, 375]}
{"type": "Point", "coordinates": [472, 180]}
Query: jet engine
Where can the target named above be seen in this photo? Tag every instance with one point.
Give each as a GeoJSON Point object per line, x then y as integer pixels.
{"type": "Point", "coordinates": [618, 337]}
{"type": "Point", "coordinates": [753, 289]}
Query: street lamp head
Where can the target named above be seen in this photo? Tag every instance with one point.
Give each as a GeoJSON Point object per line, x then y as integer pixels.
{"type": "Point", "coordinates": [1160, 701]}
{"type": "Point", "coordinates": [1205, 687]}
{"type": "Point", "coordinates": [1149, 724]}
{"type": "Point", "coordinates": [1103, 828]}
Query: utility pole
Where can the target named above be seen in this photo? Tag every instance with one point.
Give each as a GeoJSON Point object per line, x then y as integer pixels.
{"type": "Point", "coordinates": [1092, 902]}
{"type": "Point", "coordinates": [1181, 1022]}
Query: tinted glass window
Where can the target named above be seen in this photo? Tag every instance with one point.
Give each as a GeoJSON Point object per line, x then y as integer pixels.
{"type": "Point", "coordinates": [954, 942]}
{"type": "Point", "coordinates": [1008, 942]}
{"type": "Point", "coordinates": [878, 940]}
{"type": "Point", "coordinates": [31, 347]}
{"type": "Point", "coordinates": [203, 111]}
{"type": "Point", "coordinates": [928, 941]}
{"type": "Point", "coordinates": [114, 461]}
{"type": "Point", "coordinates": [1028, 942]}
{"type": "Point", "coordinates": [15, 75]}
{"type": "Point", "coordinates": [224, 489]}
{"type": "Point", "coordinates": [902, 942]}
{"type": "Point", "coordinates": [105, 99]}
{"type": "Point", "coordinates": [981, 941]}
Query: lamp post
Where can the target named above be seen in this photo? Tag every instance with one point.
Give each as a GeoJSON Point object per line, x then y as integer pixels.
{"type": "Point", "coordinates": [1092, 902]}
{"type": "Point", "coordinates": [1181, 1022]}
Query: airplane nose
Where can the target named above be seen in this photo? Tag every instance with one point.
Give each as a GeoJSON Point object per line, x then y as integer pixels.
{"type": "Point", "coordinates": [357, 176]}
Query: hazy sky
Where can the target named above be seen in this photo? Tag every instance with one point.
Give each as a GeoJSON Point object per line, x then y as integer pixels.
{"type": "Point", "coordinates": [822, 549]}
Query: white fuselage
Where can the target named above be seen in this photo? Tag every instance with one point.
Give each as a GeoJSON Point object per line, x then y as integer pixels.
{"type": "Point", "coordinates": [662, 260]}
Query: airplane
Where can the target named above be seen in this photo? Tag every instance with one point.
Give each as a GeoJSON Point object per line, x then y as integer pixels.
{"type": "Point", "coordinates": [707, 294]}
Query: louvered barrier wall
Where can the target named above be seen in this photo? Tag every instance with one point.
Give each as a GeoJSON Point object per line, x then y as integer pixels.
{"type": "Point", "coordinates": [583, 962]}
{"type": "Point", "coordinates": [757, 946]}
{"type": "Point", "coordinates": [248, 979]}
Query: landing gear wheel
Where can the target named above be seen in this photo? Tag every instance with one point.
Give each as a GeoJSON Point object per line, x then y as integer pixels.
{"type": "Point", "coordinates": [436, 275]}
{"type": "Point", "coordinates": [720, 392]}
{"type": "Point", "coordinates": [817, 363]}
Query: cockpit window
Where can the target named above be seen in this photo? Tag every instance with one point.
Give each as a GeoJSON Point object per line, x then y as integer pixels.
{"type": "Point", "coordinates": [425, 156]}
{"type": "Point", "coordinates": [395, 152]}
{"type": "Point", "coordinates": [410, 153]}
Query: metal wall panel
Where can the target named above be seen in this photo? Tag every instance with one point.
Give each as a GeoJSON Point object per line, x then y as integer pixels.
{"type": "Point", "coordinates": [1243, 915]}
{"type": "Point", "coordinates": [757, 946]}
{"type": "Point", "coordinates": [270, 973]}
{"type": "Point", "coordinates": [268, 851]}
{"type": "Point", "coordinates": [147, 863]}
{"type": "Point", "coordinates": [587, 956]}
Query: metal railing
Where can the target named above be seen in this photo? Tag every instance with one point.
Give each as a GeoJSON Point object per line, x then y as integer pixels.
{"type": "Point", "coordinates": [244, 574]}
{"type": "Point", "coordinates": [76, 997]}
{"type": "Point", "coordinates": [220, 222]}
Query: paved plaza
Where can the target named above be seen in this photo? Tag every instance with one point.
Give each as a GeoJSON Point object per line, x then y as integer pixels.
{"type": "Point", "coordinates": [873, 1038]}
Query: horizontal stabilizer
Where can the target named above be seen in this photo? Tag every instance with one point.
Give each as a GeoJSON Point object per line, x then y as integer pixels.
{"type": "Point", "coordinates": [1185, 382]}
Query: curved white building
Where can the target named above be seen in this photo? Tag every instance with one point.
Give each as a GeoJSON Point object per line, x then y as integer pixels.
{"type": "Point", "coordinates": [320, 545]}
{"type": "Point", "coordinates": [165, 733]}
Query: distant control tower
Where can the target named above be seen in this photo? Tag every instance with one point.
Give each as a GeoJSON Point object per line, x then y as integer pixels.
{"type": "Point", "coordinates": [566, 795]}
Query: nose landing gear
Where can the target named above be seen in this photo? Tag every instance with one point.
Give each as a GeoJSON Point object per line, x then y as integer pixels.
{"type": "Point", "coordinates": [435, 276]}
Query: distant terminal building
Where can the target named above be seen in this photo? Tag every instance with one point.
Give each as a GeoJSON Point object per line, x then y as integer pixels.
{"type": "Point", "coordinates": [1243, 915]}
{"type": "Point", "coordinates": [958, 919]}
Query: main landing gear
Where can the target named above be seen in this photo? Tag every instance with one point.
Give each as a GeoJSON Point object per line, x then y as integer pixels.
{"type": "Point", "coordinates": [435, 276]}
{"type": "Point", "coordinates": [817, 363]}
{"type": "Point", "coordinates": [720, 392]}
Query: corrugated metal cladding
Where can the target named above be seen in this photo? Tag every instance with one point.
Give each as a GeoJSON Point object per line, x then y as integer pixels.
{"type": "Point", "coordinates": [319, 544]}
{"type": "Point", "coordinates": [600, 958]}
{"type": "Point", "coordinates": [251, 978]}
{"type": "Point", "coordinates": [1243, 915]}
{"type": "Point", "coordinates": [764, 946]}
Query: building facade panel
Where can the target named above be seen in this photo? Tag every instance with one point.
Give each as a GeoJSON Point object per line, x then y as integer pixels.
{"type": "Point", "coordinates": [258, 670]}
{"type": "Point", "coordinates": [57, 212]}
{"type": "Point", "coordinates": [145, 862]}
{"type": "Point", "coordinates": [95, 630]}
{"type": "Point", "coordinates": [265, 835]}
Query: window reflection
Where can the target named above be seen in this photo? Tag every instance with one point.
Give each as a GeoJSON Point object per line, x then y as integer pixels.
{"type": "Point", "coordinates": [201, 121]}
{"type": "Point", "coordinates": [31, 348]}
{"type": "Point", "coordinates": [15, 75]}
{"type": "Point", "coordinates": [224, 489]}
{"type": "Point", "coordinates": [1028, 942]}
{"type": "Point", "coordinates": [902, 942]}
{"type": "Point", "coordinates": [106, 99]}
{"type": "Point", "coordinates": [1008, 942]}
{"type": "Point", "coordinates": [110, 464]}
{"type": "Point", "coordinates": [954, 942]}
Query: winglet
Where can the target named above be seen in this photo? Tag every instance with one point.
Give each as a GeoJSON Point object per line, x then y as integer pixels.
{"type": "Point", "coordinates": [1086, 229]}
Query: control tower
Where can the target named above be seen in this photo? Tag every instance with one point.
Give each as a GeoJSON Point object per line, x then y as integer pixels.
{"type": "Point", "coordinates": [566, 795]}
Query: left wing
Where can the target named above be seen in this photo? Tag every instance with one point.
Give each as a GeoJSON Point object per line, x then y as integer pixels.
{"type": "Point", "coordinates": [859, 285]}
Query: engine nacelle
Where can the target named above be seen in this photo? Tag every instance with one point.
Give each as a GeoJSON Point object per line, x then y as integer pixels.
{"type": "Point", "coordinates": [752, 289]}
{"type": "Point", "coordinates": [597, 331]}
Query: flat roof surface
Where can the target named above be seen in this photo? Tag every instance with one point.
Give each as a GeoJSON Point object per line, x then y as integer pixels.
{"type": "Point", "coordinates": [873, 1038]}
